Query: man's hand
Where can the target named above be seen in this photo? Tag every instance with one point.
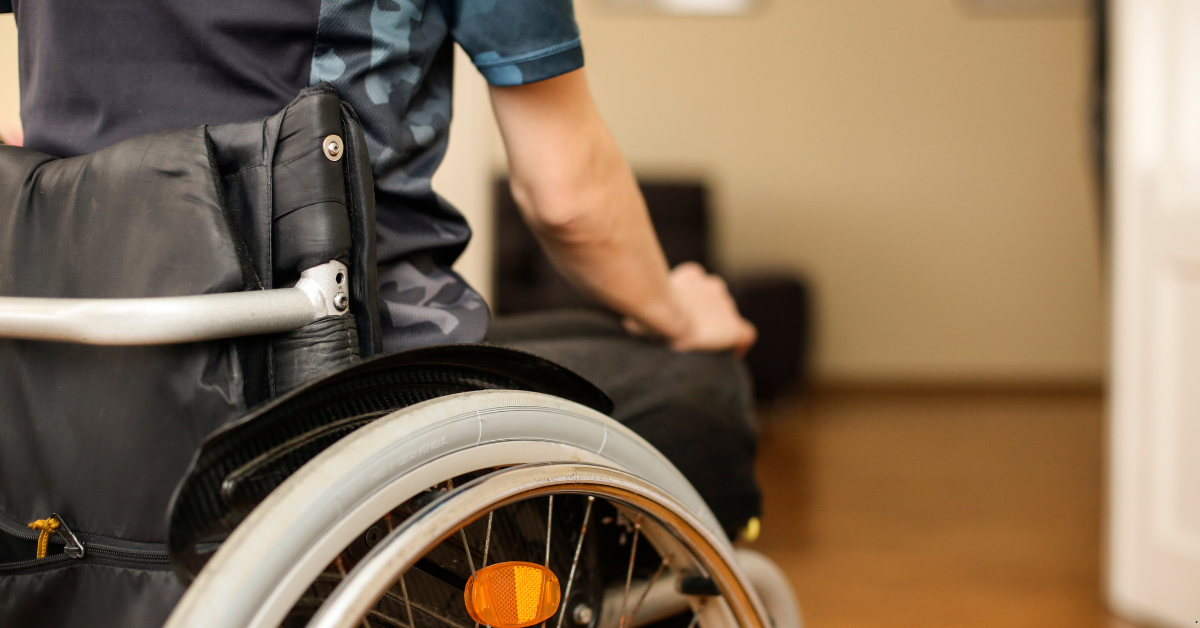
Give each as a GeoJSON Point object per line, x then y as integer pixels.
{"type": "Point", "coordinates": [712, 319]}
{"type": "Point", "coordinates": [11, 134]}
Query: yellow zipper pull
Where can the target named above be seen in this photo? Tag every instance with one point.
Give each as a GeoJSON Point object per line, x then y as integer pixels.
{"type": "Point", "coordinates": [45, 527]}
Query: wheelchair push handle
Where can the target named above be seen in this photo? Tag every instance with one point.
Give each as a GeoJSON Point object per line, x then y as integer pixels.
{"type": "Point", "coordinates": [322, 291]}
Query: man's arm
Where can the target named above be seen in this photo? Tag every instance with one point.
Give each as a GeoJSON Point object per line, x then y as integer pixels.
{"type": "Point", "coordinates": [582, 202]}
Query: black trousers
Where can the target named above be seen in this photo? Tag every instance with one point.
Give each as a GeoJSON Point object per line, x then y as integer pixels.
{"type": "Point", "coordinates": [696, 408]}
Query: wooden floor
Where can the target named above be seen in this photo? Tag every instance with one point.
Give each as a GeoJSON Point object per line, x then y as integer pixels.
{"type": "Point", "coordinates": [937, 509]}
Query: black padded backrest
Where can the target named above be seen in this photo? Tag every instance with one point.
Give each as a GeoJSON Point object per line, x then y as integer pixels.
{"type": "Point", "coordinates": [101, 435]}
{"type": "Point", "coordinates": [97, 433]}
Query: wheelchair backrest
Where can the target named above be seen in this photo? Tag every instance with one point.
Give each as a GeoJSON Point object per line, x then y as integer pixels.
{"type": "Point", "coordinates": [101, 434]}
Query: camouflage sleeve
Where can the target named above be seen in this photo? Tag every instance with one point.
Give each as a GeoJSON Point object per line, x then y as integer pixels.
{"type": "Point", "coordinates": [514, 42]}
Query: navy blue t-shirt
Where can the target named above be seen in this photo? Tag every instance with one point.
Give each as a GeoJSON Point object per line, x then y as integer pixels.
{"type": "Point", "coordinates": [95, 73]}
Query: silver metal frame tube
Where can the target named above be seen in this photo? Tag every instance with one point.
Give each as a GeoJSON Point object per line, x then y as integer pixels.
{"type": "Point", "coordinates": [171, 320]}
{"type": "Point", "coordinates": [663, 600]}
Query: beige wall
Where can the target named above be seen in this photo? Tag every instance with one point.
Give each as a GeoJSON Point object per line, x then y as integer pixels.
{"type": "Point", "coordinates": [10, 113]}
{"type": "Point", "coordinates": [465, 177]}
{"type": "Point", "coordinates": [926, 167]}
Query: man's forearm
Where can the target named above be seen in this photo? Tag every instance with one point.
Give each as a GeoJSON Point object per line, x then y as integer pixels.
{"type": "Point", "coordinates": [580, 198]}
{"type": "Point", "coordinates": [582, 201]}
{"type": "Point", "coordinates": [607, 247]}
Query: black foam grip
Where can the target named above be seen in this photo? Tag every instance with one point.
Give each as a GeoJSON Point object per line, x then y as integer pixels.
{"type": "Point", "coordinates": [311, 225]}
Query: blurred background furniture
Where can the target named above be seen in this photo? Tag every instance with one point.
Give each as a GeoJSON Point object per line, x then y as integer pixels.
{"type": "Point", "coordinates": [777, 302]}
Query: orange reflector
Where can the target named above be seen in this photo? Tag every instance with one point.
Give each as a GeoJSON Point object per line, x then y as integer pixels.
{"type": "Point", "coordinates": [512, 595]}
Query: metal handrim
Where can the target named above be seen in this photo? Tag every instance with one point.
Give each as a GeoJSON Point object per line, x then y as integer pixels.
{"type": "Point", "coordinates": [380, 568]}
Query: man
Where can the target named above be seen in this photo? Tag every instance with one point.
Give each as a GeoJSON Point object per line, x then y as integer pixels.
{"type": "Point", "coordinates": [93, 74]}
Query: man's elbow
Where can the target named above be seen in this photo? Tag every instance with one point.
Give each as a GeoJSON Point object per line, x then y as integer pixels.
{"type": "Point", "coordinates": [564, 213]}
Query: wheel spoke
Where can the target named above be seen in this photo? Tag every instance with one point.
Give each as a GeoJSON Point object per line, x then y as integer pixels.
{"type": "Point", "coordinates": [637, 531]}
{"type": "Point", "coordinates": [463, 532]}
{"type": "Point", "coordinates": [407, 603]}
{"type": "Point", "coordinates": [378, 616]}
{"type": "Point", "coordinates": [467, 546]}
{"type": "Point", "coordinates": [487, 539]}
{"type": "Point", "coordinates": [575, 561]}
{"type": "Point", "coordinates": [549, 526]}
{"type": "Point", "coordinates": [487, 543]}
{"type": "Point", "coordinates": [646, 591]}
{"type": "Point", "coordinates": [431, 613]}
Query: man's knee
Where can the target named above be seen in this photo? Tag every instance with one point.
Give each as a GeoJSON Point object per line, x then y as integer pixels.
{"type": "Point", "coordinates": [716, 382]}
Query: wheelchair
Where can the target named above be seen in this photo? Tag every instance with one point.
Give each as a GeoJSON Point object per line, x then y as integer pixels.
{"type": "Point", "coordinates": [328, 484]}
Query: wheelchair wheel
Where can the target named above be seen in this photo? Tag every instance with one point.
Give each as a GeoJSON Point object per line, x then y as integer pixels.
{"type": "Point", "coordinates": [678, 539]}
{"type": "Point", "coordinates": [333, 541]}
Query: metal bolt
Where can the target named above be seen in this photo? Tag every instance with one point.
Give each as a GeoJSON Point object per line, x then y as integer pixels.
{"type": "Point", "coordinates": [582, 614]}
{"type": "Point", "coordinates": [332, 145]}
{"type": "Point", "coordinates": [373, 536]}
{"type": "Point", "coordinates": [340, 301]}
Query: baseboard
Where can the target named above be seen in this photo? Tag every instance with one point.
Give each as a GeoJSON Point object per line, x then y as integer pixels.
{"type": "Point", "coordinates": [1088, 385]}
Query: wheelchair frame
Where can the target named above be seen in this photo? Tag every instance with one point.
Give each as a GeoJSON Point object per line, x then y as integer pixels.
{"type": "Point", "coordinates": [528, 443]}
{"type": "Point", "coordinates": [320, 292]}
{"type": "Point", "coordinates": [207, 317]}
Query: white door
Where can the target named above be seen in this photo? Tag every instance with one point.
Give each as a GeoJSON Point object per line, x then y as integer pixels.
{"type": "Point", "coordinates": [1154, 522]}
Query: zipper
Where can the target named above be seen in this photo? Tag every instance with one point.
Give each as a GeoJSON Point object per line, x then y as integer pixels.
{"type": "Point", "coordinates": [35, 562]}
{"type": "Point", "coordinates": [79, 546]}
{"type": "Point", "coordinates": [71, 545]}
{"type": "Point", "coordinates": [140, 556]}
